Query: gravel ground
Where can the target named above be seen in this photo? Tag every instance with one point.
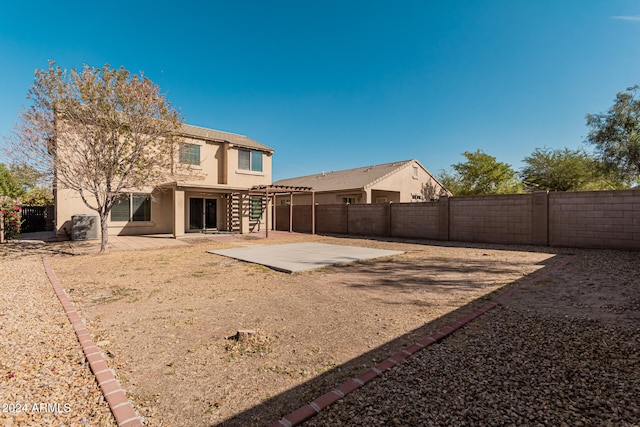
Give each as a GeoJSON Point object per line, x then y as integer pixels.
{"type": "Point", "coordinates": [44, 379]}
{"type": "Point", "coordinates": [564, 351]}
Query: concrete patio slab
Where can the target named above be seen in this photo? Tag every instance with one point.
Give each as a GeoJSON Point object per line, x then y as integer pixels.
{"type": "Point", "coordinates": [295, 257]}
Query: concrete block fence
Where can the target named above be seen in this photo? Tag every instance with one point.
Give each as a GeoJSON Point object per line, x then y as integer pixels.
{"type": "Point", "coordinates": [587, 219]}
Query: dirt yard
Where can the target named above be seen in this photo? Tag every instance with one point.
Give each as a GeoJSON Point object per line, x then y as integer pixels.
{"type": "Point", "coordinates": [561, 351]}
{"type": "Point", "coordinates": [166, 320]}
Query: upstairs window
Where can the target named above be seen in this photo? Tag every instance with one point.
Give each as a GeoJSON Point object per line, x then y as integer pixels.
{"type": "Point", "coordinates": [250, 160]}
{"type": "Point", "coordinates": [189, 154]}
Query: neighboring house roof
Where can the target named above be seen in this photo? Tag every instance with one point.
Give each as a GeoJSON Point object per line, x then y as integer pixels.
{"type": "Point", "coordinates": [221, 136]}
{"type": "Point", "coordinates": [358, 178]}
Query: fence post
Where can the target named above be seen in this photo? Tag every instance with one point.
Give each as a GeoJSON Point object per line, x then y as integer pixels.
{"type": "Point", "coordinates": [390, 219]}
{"type": "Point", "coordinates": [443, 219]}
{"type": "Point", "coordinates": [347, 218]}
{"type": "Point", "coordinates": [540, 218]}
{"type": "Point", "coordinates": [389, 208]}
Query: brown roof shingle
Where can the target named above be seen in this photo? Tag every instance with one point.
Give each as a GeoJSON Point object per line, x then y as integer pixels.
{"type": "Point", "coordinates": [221, 136]}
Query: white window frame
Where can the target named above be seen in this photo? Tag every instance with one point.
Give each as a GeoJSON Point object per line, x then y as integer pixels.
{"type": "Point", "coordinates": [251, 162]}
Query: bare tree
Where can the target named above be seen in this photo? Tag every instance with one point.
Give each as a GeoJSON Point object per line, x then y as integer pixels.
{"type": "Point", "coordinates": [99, 131]}
{"type": "Point", "coordinates": [431, 191]}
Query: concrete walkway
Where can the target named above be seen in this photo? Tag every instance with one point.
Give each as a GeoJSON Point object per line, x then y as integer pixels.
{"type": "Point", "coordinates": [295, 257]}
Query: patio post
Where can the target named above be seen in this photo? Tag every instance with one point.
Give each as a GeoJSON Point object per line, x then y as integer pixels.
{"type": "Point", "coordinates": [266, 226]}
{"type": "Point", "coordinates": [178, 213]}
{"type": "Point", "coordinates": [275, 210]}
{"type": "Point", "coordinates": [291, 212]}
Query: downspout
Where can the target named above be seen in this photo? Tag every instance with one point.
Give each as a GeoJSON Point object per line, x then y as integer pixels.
{"type": "Point", "coordinates": [224, 167]}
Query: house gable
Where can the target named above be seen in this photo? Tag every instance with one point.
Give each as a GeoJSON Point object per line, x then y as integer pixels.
{"type": "Point", "coordinates": [405, 181]}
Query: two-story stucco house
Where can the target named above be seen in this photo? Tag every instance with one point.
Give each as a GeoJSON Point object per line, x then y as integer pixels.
{"type": "Point", "coordinates": [215, 196]}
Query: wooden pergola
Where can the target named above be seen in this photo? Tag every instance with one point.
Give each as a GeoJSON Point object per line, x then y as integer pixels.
{"type": "Point", "coordinates": [277, 190]}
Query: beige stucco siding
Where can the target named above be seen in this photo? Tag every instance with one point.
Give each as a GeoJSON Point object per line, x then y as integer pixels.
{"type": "Point", "coordinates": [324, 198]}
{"type": "Point", "coordinates": [246, 178]}
{"type": "Point", "coordinates": [400, 186]}
{"type": "Point", "coordinates": [207, 172]}
{"type": "Point", "coordinates": [211, 170]}
{"type": "Point", "coordinates": [385, 196]}
{"type": "Point", "coordinates": [403, 183]}
{"type": "Point", "coordinates": [69, 204]}
{"type": "Point", "coordinates": [216, 176]}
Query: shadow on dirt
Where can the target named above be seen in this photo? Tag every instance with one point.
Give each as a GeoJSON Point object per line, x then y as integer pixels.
{"type": "Point", "coordinates": [408, 280]}
{"type": "Point", "coordinates": [22, 248]}
{"type": "Point", "coordinates": [406, 276]}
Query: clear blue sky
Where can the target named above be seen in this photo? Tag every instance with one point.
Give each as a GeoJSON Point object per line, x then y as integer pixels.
{"type": "Point", "coordinates": [339, 84]}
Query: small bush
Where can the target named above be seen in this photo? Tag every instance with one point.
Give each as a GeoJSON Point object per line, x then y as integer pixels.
{"type": "Point", "coordinates": [12, 220]}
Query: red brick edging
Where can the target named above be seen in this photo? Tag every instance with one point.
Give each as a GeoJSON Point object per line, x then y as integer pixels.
{"type": "Point", "coordinates": [120, 405]}
{"type": "Point", "coordinates": [310, 410]}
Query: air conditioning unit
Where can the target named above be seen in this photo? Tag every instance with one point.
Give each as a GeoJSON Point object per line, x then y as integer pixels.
{"type": "Point", "coordinates": [84, 227]}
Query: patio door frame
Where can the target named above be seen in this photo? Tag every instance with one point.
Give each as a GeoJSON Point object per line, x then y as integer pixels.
{"type": "Point", "coordinates": [205, 213]}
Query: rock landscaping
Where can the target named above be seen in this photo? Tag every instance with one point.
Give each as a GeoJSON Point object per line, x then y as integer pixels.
{"type": "Point", "coordinates": [196, 339]}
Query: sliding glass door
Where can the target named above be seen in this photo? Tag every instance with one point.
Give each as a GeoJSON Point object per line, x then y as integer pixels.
{"type": "Point", "coordinates": [202, 214]}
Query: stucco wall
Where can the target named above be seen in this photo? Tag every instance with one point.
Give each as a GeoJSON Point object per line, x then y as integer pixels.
{"type": "Point", "coordinates": [329, 198]}
{"type": "Point", "coordinates": [207, 175]}
{"type": "Point", "coordinates": [399, 187]}
{"type": "Point", "coordinates": [69, 203]}
{"type": "Point", "coordinates": [405, 184]}
{"type": "Point", "coordinates": [243, 178]}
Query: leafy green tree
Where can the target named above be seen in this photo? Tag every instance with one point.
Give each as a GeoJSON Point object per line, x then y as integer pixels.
{"type": "Point", "coordinates": [38, 196]}
{"type": "Point", "coordinates": [565, 170]}
{"type": "Point", "coordinates": [103, 131]}
{"type": "Point", "coordinates": [10, 185]}
{"type": "Point", "coordinates": [481, 174]}
{"type": "Point", "coordinates": [20, 184]}
{"type": "Point", "coordinates": [616, 135]}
